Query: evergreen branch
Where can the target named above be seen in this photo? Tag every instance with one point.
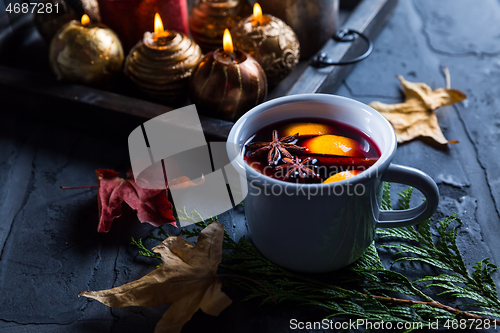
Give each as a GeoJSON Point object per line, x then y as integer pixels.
{"type": "Point", "coordinates": [143, 251]}
{"type": "Point", "coordinates": [254, 281]}
{"type": "Point", "coordinates": [435, 304]}
{"type": "Point", "coordinates": [366, 289]}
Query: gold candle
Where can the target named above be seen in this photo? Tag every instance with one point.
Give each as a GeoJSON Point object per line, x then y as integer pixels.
{"type": "Point", "coordinates": [161, 64]}
{"type": "Point", "coordinates": [270, 41]}
{"type": "Point", "coordinates": [88, 53]}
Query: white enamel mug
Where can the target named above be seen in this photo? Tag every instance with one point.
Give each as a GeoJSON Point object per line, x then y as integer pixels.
{"type": "Point", "coordinates": [324, 227]}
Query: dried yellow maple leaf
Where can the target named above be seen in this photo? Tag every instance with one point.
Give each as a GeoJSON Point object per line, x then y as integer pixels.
{"type": "Point", "coordinates": [187, 279]}
{"type": "Point", "coordinates": [415, 117]}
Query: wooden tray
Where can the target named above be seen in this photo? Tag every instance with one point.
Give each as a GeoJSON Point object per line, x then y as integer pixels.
{"type": "Point", "coordinates": [25, 76]}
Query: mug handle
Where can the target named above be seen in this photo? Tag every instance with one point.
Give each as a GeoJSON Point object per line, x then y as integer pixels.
{"type": "Point", "coordinates": [416, 178]}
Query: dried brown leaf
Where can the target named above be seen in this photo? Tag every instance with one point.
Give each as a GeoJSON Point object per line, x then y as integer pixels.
{"type": "Point", "coordinates": [415, 117]}
{"type": "Point", "coordinates": [187, 279]}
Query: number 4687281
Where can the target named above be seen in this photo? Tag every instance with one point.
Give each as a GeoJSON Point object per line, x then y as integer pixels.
{"type": "Point", "coordinates": [32, 7]}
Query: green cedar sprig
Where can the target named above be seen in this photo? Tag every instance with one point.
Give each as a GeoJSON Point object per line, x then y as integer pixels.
{"type": "Point", "coordinates": [386, 294]}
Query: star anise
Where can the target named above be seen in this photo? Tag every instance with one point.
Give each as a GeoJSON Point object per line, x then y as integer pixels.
{"type": "Point", "coordinates": [276, 148]}
{"type": "Point", "coordinates": [301, 168]}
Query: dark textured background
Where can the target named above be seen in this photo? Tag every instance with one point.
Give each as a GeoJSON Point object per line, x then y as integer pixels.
{"type": "Point", "coordinates": [49, 246]}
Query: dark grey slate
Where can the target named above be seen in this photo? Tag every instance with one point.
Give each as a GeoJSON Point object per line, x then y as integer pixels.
{"type": "Point", "coordinates": [50, 249]}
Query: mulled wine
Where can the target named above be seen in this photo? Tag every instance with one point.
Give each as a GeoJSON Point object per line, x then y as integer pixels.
{"type": "Point", "coordinates": [310, 151]}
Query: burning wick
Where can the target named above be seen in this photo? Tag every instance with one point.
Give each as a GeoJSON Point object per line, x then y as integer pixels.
{"type": "Point", "coordinates": [85, 20]}
{"type": "Point", "coordinates": [227, 44]}
{"type": "Point", "coordinates": [160, 36]}
{"type": "Point", "coordinates": [257, 13]}
{"type": "Point", "coordinates": [158, 24]}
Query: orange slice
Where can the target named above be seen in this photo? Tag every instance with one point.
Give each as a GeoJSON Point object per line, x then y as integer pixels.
{"type": "Point", "coordinates": [307, 129]}
{"type": "Point", "coordinates": [333, 145]}
{"type": "Point", "coordinates": [342, 175]}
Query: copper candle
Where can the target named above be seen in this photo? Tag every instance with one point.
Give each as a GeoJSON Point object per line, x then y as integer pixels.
{"type": "Point", "coordinates": [88, 53]}
{"type": "Point", "coordinates": [270, 41]}
{"type": "Point", "coordinates": [227, 83]}
{"type": "Point", "coordinates": [161, 64]}
{"type": "Point", "coordinates": [209, 18]}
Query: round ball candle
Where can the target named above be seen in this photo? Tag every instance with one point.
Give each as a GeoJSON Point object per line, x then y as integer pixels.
{"type": "Point", "coordinates": [161, 64]}
{"type": "Point", "coordinates": [270, 41]}
{"type": "Point", "coordinates": [228, 82]}
{"type": "Point", "coordinates": [209, 18]}
{"type": "Point", "coordinates": [87, 53]}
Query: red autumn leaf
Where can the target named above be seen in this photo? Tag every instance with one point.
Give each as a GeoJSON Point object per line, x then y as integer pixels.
{"type": "Point", "coordinates": [152, 206]}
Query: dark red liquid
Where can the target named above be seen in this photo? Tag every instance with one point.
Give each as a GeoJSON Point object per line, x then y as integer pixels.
{"type": "Point", "coordinates": [323, 165]}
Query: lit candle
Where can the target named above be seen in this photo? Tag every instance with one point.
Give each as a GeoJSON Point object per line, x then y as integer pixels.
{"type": "Point", "coordinates": [161, 64]}
{"type": "Point", "coordinates": [84, 52]}
{"type": "Point", "coordinates": [257, 14]}
{"type": "Point", "coordinates": [160, 37]}
{"type": "Point", "coordinates": [270, 41]}
{"type": "Point", "coordinates": [85, 20]}
{"type": "Point", "coordinates": [228, 82]}
{"type": "Point", "coordinates": [227, 54]}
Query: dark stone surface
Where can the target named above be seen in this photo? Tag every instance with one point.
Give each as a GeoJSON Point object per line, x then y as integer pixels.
{"type": "Point", "coordinates": [49, 246]}
{"type": "Point", "coordinates": [467, 172]}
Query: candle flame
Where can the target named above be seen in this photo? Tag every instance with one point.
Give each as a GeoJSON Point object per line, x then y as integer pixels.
{"type": "Point", "coordinates": [158, 24]}
{"type": "Point", "coordinates": [227, 42]}
{"type": "Point", "coordinates": [85, 19]}
{"type": "Point", "coordinates": [257, 12]}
